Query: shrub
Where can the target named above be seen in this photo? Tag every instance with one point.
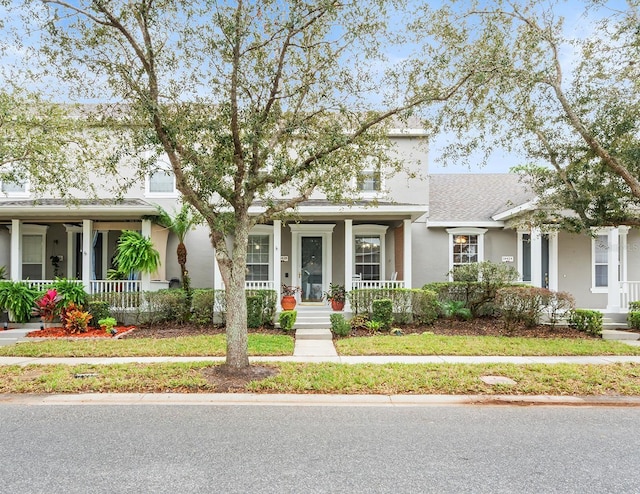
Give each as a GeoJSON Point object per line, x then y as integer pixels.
{"type": "Point", "coordinates": [165, 305]}
{"type": "Point", "coordinates": [254, 311]}
{"type": "Point", "coordinates": [634, 306]}
{"type": "Point", "coordinates": [382, 312]}
{"type": "Point", "coordinates": [476, 285]}
{"type": "Point", "coordinates": [339, 326]}
{"type": "Point", "coordinates": [70, 291]}
{"type": "Point", "coordinates": [268, 302]}
{"type": "Point", "coordinates": [99, 310]}
{"type": "Point", "coordinates": [587, 320]}
{"type": "Point", "coordinates": [407, 304]}
{"type": "Point", "coordinates": [287, 319]}
{"type": "Point", "coordinates": [108, 323]}
{"type": "Point", "coordinates": [357, 321]}
{"type": "Point", "coordinates": [18, 298]}
{"type": "Point", "coordinates": [75, 319]}
{"type": "Point", "coordinates": [522, 304]}
{"type": "Point", "coordinates": [373, 326]}
{"type": "Point", "coordinates": [202, 306]}
{"type": "Point", "coordinates": [49, 305]}
{"type": "Point", "coordinates": [633, 319]}
{"type": "Point", "coordinates": [559, 305]}
{"type": "Point", "coordinates": [424, 305]}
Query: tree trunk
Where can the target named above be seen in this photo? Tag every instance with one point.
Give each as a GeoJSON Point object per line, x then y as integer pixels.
{"type": "Point", "coordinates": [233, 274]}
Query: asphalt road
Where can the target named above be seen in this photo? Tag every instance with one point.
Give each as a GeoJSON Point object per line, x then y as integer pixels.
{"type": "Point", "coordinates": [267, 449]}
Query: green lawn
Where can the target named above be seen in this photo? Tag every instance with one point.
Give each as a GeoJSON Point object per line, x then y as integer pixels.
{"type": "Point", "coordinates": [185, 346]}
{"type": "Point", "coordinates": [559, 379]}
{"type": "Point", "coordinates": [430, 344]}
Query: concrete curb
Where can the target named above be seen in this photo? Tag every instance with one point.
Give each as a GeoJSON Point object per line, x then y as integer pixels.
{"type": "Point", "coordinates": [244, 399]}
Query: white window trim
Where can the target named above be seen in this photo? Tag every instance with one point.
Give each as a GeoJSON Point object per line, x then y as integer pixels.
{"type": "Point", "coordinates": [597, 232]}
{"type": "Point", "coordinates": [479, 232]}
{"type": "Point", "coordinates": [520, 254]}
{"type": "Point", "coordinates": [265, 230]}
{"type": "Point", "coordinates": [373, 230]}
{"type": "Point", "coordinates": [34, 230]}
{"type": "Point", "coordinates": [161, 164]}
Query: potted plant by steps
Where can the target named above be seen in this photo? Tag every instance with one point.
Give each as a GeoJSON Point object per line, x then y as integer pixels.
{"type": "Point", "coordinates": [288, 301]}
{"type": "Point", "coordinates": [336, 295]}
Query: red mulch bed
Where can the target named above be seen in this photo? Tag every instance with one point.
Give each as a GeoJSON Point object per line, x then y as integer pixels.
{"type": "Point", "coordinates": [60, 332]}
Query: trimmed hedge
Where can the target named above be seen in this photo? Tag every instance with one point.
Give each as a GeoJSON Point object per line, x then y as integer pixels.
{"type": "Point", "coordinates": [202, 306]}
{"type": "Point", "coordinates": [587, 320]}
{"type": "Point", "coordinates": [268, 300]}
{"type": "Point", "coordinates": [420, 306]}
{"type": "Point", "coordinates": [287, 319]}
{"type": "Point", "coordinates": [524, 304]}
{"type": "Point", "coordinates": [165, 305]}
{"type": "Point", "coordinates": [339, 325]}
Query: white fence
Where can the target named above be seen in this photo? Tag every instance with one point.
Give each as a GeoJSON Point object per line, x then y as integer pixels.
{"type": "Point", "coordinates": [358, 284]}
{"type": "Point", "coordinates": [123, 294]}
{"type": "Point", "coordinates": [629, 292]}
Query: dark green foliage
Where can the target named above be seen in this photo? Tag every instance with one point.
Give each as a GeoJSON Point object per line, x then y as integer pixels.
{"type": "Point", "coordinates": [633, 319]}
{"type": "Point", "coordinates": [70, 291]}
{"type": "Point", "coordinates": [254, 311]}
{"type": "Point", "coordinates": [476, 285]}
{"type": "Point", "coordinates": [339, 326]}
{"type": "Point", "coordinates": [135, 253]}
{"type": "Point", "coordinates": [18, 298]}
{"type": "Point", "coordinates": [287, 319]}
{"type": "Point", "coordinates": [383, 312]}
{"type": "Point", "coordinates": [634, 306]}
{"type": "Point", "coordinates": [269, 299]}
{"type": "Point", "coordinates": [98, 310]}
{"type": "Point", "coordinates": [587, 320]}
{"type": "Point", "coordinates": [416, 305]}
{"type": "Point", "coordinates": [455, 309]}
{"type": "Point", "coordinates": [524, 304]}
{"type": "Point", "coordinates": [202, 306]}
{"type": "Point", "coordinates": [165, 305]}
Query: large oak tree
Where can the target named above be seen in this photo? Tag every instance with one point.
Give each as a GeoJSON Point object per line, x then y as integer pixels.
{"type": "Point", "coordinates": [259, 100]}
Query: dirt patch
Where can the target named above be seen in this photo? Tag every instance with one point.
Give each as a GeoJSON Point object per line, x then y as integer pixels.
{"type": "Point", "coordinates": [227, 380]}
{"type": "Point", "coordinates": [487, 326]}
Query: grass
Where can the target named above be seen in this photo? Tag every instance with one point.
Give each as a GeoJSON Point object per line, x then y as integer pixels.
{"type": "Point", "coordinates": [430, 344]}
{"type": "Point", "coordinates": [558, 379]}
{"type": "Point", "coordinates": [185, 346]}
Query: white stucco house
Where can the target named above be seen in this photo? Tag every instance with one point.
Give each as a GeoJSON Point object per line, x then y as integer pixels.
{"type": "Point", "coordinates": [405, 230]}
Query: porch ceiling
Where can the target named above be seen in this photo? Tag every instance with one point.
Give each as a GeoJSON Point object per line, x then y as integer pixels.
{"type": "Point", "coordinates": [48, 209]}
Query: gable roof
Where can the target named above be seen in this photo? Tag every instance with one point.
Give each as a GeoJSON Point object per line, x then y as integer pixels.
{"type": "Point", "coordinates": [472, 199]}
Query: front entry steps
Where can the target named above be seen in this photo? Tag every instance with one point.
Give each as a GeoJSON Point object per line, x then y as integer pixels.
{"type": "Point", "coordinates": [614, 334]}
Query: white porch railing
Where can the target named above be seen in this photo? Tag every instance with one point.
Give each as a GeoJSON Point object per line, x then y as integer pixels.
{"type": "Point", "coordinates": [259, 285]}
{"type": "Point", "coordinates": [123, 294]}
{"type": "Point", "coordinates": [629, 292]}
{"type": "Point", "coordinates": [41, 285]}
{"type": "Point", "coordinates": [358, 284]}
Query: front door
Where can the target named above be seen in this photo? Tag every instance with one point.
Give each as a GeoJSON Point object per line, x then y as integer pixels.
{"type": "Point", "coordinates": [311, 268]}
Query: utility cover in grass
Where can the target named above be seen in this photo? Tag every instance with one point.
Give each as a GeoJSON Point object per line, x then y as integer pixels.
{"type": "Point", "coordinates": [493, 380]}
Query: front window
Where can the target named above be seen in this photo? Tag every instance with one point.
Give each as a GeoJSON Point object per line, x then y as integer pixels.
{"type": "Point", "coordinates": [601, 261]}
{"type": "Point", "coordinates": [368, 256]}
{"type": "Point", "coordinates": [258, 258]}
{"type": "Point", "coordinates": [13, 188]}
{"type": "Point", "coordinates": [465, 249]}
{"type": "Point", "coordinates": [161, 182]}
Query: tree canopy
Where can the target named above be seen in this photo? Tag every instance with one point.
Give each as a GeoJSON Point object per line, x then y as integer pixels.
{"type": "Point", "coordinates": [252, 102]}
{"type": "Point", "coordinates": [566, 100]}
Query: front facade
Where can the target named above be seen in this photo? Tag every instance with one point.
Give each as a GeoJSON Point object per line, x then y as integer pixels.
{"type": "Point", "coordinates": [404, 230]}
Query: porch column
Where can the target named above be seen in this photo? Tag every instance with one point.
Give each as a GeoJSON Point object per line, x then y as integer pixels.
{"type": "Point", "coordinates": [277, 252]}
{"type": "Point", "coordinates": [145, 278]}
{"type": "Point", "coordinates": [16, 250]}
{"type": "Point", "coordinates": [87, 247]}
{"type": "Point", "coordinates": [406, 254]}
{"type": "Point", "coordinates": [348, 254]}
{"type": "Point", "coordinates": [613, 263]}
{"type": "Point", "coordinates": [553, 261]}
{"type": "Point", "coordinates": [536, 257]}
{"type": "Point", "coordinates": [105, 253]}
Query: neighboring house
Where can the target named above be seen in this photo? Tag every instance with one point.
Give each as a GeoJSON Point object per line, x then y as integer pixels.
{"type": "Point", "coordinates": [405, 230]}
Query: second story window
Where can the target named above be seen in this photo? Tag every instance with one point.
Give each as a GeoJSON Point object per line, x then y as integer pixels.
{"type": "Point", "coordinates": [15, 188]}
{"type": "Point", "coordinates": [161, 182]}
{"type": "Point", "coordinates": [369, 181]}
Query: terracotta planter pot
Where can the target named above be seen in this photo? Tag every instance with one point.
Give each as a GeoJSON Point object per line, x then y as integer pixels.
{"type": "Point", "coordinates": [288, 302]}
{"type": "Point", "coordinates": [335, 305]}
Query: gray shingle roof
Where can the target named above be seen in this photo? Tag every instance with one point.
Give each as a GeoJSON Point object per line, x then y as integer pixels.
{"type": "Point", "coordinates": [474, 197]}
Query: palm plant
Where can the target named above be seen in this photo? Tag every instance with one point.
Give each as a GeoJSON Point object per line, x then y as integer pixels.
{"type": "Point", "coordinates": [179, 224]}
